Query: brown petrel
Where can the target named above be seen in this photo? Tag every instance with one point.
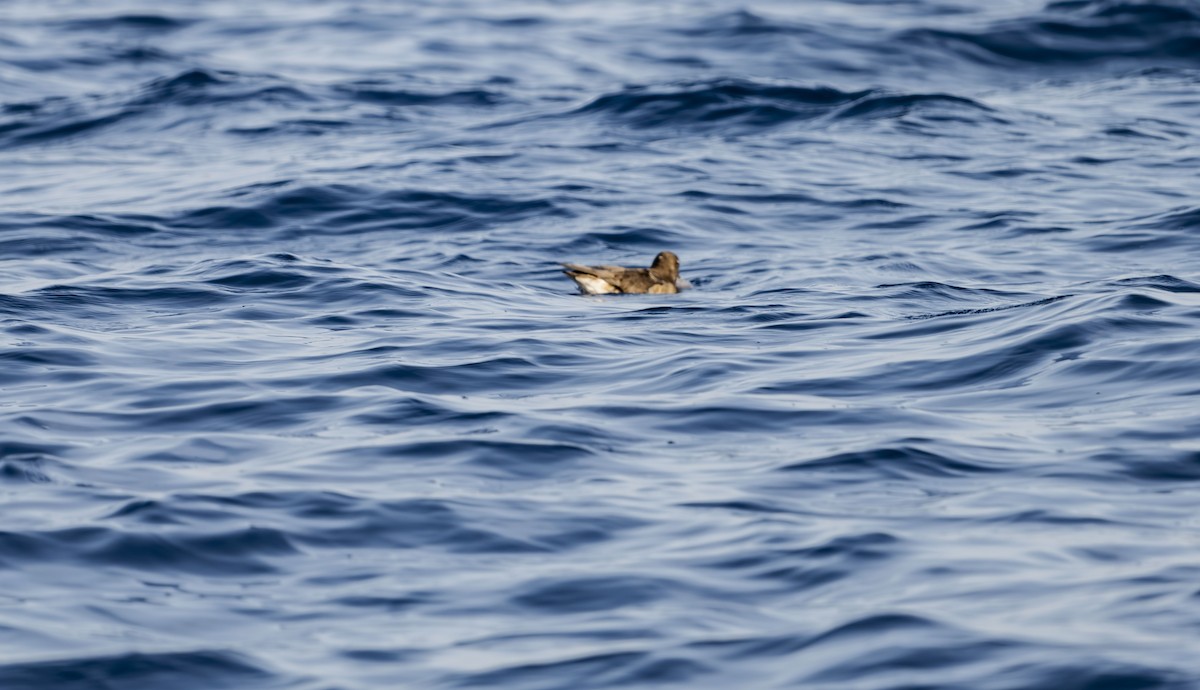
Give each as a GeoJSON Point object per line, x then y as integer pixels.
{"type": "Point", "coordinates": [661, 278]}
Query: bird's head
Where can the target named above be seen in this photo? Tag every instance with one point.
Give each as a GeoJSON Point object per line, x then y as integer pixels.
{"type": "Point", "coordinates": [665, 267]}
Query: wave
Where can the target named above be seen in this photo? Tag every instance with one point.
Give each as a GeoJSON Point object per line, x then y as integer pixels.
{"type": "Point", "coordinates": [193, 670]}
{"type": "Point", "coordinates": [880, 650]}
{"type": "Point", "coordinates": [211, 95]}
{"type": "Point", "coordinates": [867, 651]}
{"type": "Point", "coordinates": [1078, 31]}
{"type": "Point", "coordinates": [1169, 232]}
{"type": "Point", "coordinates": [140, 23]}
{"type": "Point", "coordinates": [905, 461]}
{"type": "Point", "coordinates": [346, 209]}
{"type": "Point", "coordinates": [39, 235]}
{"type": "Point", "coordinates": [739, 105]}
{"type": "Point", "coordinates": [60, 118]}
{"type": "Point", "coordinates": [379, 93]}
{"type": "Point", "coordinates": [1039, 344]}
{"type": "Point", "coordinates": [30, 462]}
{"type": "Point", "coordinates": [339, 521]}
{"type": "Point", "coordinates": [1166, 283]}
{"type": "Point", "coordinates": [524, 459]}
{"type": "Point", "coordinates": [739, 23]}
{"type": "Point", "coordinates": [281, 211]}
{"type": "Point", "coordinates": [281, 284]}
{"type": "Point", "coordinates": [197, 87]}
{"type": "Point", "coordinates": [606, 670]}
{"type": "Point", "coordinates": [234, 553]}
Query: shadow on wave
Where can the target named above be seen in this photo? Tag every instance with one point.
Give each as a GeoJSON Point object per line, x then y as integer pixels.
{"type": "Point", "coordinates": [211, 95]}
{"type": "Point", "coordinates": [377, 92]}
{"type": "Point", "coordinates": [748, 105]}
{"type": "Point", "coordinates": [139, 24]}
{"type": "Point", "coordinates": [327, 519]}
{"type": "Point", "coordinates": [809, 566]}
{"type": "Point", "coordinates": [742, 23]}
{"type": "Point", "coordinates": [280, 211]}
{"type": "Point", "coordinates": [1083, 338]}
{"type": "Point", "coordinates": [238, 552]}
{"type": "Point", "coordinates": [517, 459]}
{"type": "Point", "coordinates": [37, 234]}
{"type": "Point", "coordinates": [57, 118]}
{"type": "Point", "coordinates": [197, 670]}
{"type": "Point", "coordinates": [1079, 31]}
{"type": "Point", "coordinates": [340, 208]}
{"type": "Point", "coordinates": [894, 462]}
{"type": "Point", "coordinates": [884, 650]}
{"type": "Point", "coordinates": [283, 286]}
{"type": "Point", "coordinates": [1172, 233]}
{"type": "Point", "coordinates": [30, 462]}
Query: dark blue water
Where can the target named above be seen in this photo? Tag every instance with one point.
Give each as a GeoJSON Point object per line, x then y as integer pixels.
{"type": "Point", "coordinates": [293, 395]}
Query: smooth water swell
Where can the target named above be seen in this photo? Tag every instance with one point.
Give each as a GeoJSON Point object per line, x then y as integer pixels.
{"type": "Point", "coordinates": [292, 394]}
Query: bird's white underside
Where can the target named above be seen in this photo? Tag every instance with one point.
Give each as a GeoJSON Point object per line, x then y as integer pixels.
{"type": "Point", "coordinates": [592, 285]}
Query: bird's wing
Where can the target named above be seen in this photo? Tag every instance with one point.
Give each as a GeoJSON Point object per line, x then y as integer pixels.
{"type": "Point", "coordinates": [608, 273]}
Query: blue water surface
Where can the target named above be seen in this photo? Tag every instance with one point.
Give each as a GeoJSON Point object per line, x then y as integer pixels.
{"type": "Point", "coordinates": [293, 395]}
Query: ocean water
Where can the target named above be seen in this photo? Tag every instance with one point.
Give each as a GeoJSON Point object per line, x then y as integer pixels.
{"type": "Point", "coordinates": [293, 394]}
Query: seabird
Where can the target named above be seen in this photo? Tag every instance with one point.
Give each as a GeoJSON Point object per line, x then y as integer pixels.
{"type": "Point", "coordinates": [661, 278]}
